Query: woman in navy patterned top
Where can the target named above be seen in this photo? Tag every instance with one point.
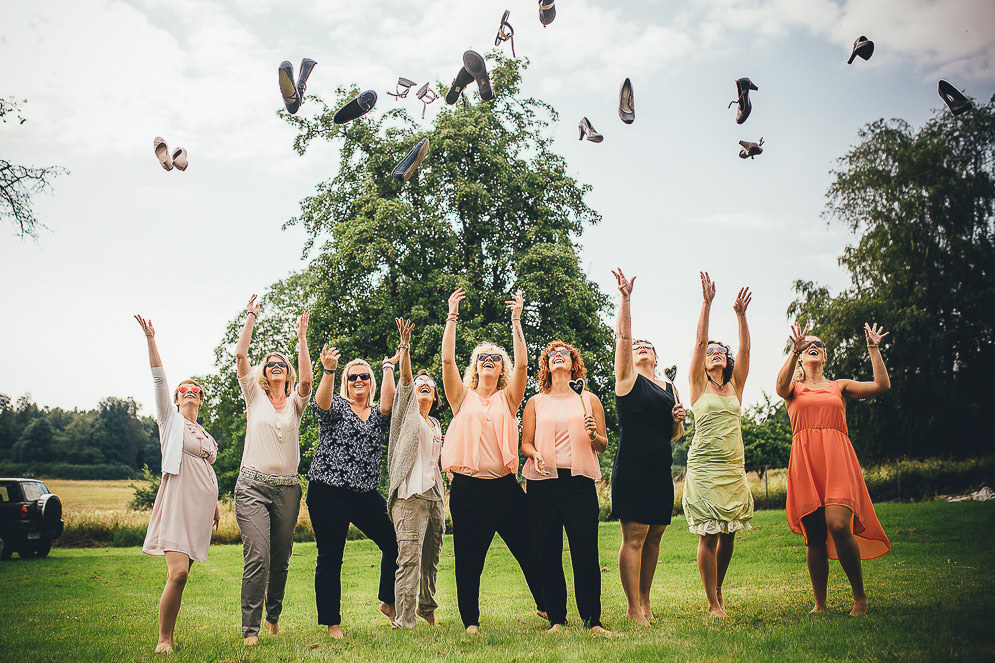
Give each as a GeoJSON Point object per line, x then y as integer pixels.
{"type": "Point", "coordinates": [344, 476]}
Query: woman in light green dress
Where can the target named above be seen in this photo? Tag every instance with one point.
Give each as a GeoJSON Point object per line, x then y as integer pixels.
{"type": "Point", "coordinates": [717, 499]}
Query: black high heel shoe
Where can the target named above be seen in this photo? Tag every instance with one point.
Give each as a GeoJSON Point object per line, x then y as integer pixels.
{"type": "Point", "coordinates": [506, 32]}
{"type": "Point", "coordinates": [956, 102]}
{"type": "Point", "coordinates": [547, 12]}
{"type": "Point", "coordinates": [750, 150]}
{"type": "Point", "coordinates": [473, 62]}
{"type": "Point", "coordinates": [587, 129]}
{"type": "Point", "coordinates": [626, 102]}
{"type": "Point", "coordinates": [863, 47]}
{"type": "Point", "coordinates": [743, 87]}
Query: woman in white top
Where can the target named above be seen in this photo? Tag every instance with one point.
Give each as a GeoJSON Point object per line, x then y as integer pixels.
{"type": "Point", "coordinates": [187, 502]}
{"type": "Point", "coordinates": [415, 498]}
{"type": "Point", "coordinates": [268, 493]}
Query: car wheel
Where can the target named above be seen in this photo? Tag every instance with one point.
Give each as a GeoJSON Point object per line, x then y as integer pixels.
{"type": "Point", "coordinates": [37, 549]}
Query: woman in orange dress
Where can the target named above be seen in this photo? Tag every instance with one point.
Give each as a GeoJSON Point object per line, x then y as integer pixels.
{"type": "Point", "coordinates": [828, 502]}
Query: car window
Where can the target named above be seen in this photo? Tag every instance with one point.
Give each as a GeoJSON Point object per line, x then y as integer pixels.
{"type": "Point", "coordinates": [33, 490]}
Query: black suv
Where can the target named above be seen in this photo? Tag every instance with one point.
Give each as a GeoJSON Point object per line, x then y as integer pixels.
{"type": "Point", "coordinates": [30, 518]}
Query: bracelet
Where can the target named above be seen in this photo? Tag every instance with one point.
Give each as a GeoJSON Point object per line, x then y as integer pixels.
{"type": "Point", "coordinates": [872, 346]}
{"type": "Point", "coordinates": [516, 319]}
{"type": "Point", "coordinates": [404, 347]}
{"type": "Point", "coordinates": [328, 370]}
{"type": "Point", "coordinates": [253, 313]}
{"type": "Point", "coordinates": [452, 317]}
{"type": "Point", "coordinates": [388, 365]}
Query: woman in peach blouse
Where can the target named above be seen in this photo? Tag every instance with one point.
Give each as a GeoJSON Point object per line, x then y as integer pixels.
{"type": "Point", "coordinates": [562, 434]}
{"type": "Point", "coordinates": [481, 452]}
{"type": "Point", "coordinates": [828, 502]}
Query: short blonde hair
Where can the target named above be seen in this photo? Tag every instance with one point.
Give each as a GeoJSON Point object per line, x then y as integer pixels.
{"type": "Point", "coordinates": [176, 392]}
{"type": "Point", "coordinates": [470, 377]}
{"type": "Point", "coordinates": [344, 389]}
{"type": "Point", "coordinates": [261, 373]}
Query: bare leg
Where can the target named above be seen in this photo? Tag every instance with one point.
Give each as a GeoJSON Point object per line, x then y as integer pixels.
{"type": "Point", "coordinates": [708, 569]}
{"type": "Point", "coordinates": [816, 556]}
{"type": "Point", "coordinates": [178, 567]}
{"type": "Point", "coordinates": [336, 631]}
{"type": "Point", "coordinates": [723, 555]}
{"type": "Point", "coordinates": [647, 566]}
{"type": "Point", "coordinates": [629, 561]}
{"type": "Point", "coordinates": [838, 523]}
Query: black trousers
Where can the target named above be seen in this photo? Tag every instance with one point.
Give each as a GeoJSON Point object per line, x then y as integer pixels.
{"type": "Point", "coordinates": [567, 503]}
{"type": "Point", "coordinates": [480, 508]}
{"type": "Point", "coordinates": [332, 509]}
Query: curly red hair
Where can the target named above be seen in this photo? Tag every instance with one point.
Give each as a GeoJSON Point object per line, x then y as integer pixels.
{"type": "Point", "coordinates": [577, 369]}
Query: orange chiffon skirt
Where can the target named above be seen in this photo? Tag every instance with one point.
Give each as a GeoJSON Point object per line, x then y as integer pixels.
{"type": "Point", "coordinates": [823, 469]}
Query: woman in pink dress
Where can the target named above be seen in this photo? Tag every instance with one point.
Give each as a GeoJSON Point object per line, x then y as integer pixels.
{"type": "Point", "coordinates": [186, 505]}
{"type": "Point", "coordinates": [828, 502]}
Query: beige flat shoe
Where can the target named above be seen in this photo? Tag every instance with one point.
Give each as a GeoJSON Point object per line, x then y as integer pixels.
{"type": "Point", "coordinates": [162, 152]}
{"type": "Point", "coordinates": [180, 158]}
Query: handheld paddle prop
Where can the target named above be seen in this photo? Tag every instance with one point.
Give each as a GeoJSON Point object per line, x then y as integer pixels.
{"type": "Point", "coordinates": [578, 388]}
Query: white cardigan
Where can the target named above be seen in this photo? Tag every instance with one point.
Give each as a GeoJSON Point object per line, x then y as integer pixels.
{"type": "Point", "coordinates": [170, 423]}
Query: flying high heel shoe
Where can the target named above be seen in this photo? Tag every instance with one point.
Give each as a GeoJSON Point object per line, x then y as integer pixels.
{"type": "Point", "coordinates": [474, 64]}
{"type": "Point", "coordinates": [743, 87]}
{"type": "Point", "coordinates": [750, 150]}
{"type": "Point", "coordinates": [956, 102]}
{"type": "Point", "coordinates": [291, 99]}
{"type": "Point", "coordinates": [863, 47]}
{"type": "Point", "coordinates": [506, 32]}
{"type": "Point", "coordinates": [405, 169]}
{"type": "Point", "coordinates": [586, 128]}
{"type": "Point", "coordinates": [547, 12]}
{"type": "Point", "coordinates": [307, 64]}
{"type": "Point", "coordinates": [427, 96]}
{"type": "Point", "coordinates": [404, 86]}
{"type": "Point", "coordinates": [626, 102]}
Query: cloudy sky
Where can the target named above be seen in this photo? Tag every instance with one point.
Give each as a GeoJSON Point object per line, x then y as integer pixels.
{"type": "Point", "coordinates": [102, 78]}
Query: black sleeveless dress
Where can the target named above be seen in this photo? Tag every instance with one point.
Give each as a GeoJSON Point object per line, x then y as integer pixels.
{"type": "Point", "coordinates": [642, 487]}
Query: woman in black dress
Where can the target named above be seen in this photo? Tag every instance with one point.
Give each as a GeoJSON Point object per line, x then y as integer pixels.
{"type": "Point", "coordinates": [642, 488]}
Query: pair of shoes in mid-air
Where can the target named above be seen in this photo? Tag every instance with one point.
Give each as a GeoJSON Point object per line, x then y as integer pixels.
{"type": "Point", "coordinates": [293, 93]}
{"type": "Point", "coordinates": [626, 112]}
{"type": "Point", "coordinates": [426, 94]}
{"type": "Point", "coordinates": [178, 159]}
{"type": "Point", "coordinates": [473, 69]}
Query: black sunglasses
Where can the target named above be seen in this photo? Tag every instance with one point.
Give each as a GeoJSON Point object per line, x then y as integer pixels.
{"type": "Point", "coordinates": [558, 352]}
{"type": "Point", "coordinates": [721, 350]}
{"type": "Point", "coordinates": [818, 344]}
{"type": "Point", "coordinates": [358, 376]}
{"type": "Point", "coordinates": [485, 356]}
{"type": "Point", "coordinates": [281, 364]}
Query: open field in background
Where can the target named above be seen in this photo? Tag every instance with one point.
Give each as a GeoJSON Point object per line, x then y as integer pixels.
{"type": "Point", "coordinates": [929, 601]}
{"type": "Point", "coordinates": [96, 512]}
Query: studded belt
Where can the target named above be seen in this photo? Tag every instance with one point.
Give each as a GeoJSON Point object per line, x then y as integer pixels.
{"type": "Point", "coordinates": [269, 479]}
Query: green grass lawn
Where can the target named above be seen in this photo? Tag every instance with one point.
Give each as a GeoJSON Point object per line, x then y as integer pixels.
{"type": "Point", "coordinates": [928, 599]}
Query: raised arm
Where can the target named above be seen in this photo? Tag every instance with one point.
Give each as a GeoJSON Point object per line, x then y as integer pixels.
{"type": "Point", "coordinates": [329, 359]}
{"type": "Point", "coordinates": [387, 385]}
{"type": "Point", "coordinates": [515, 391]}
{"type": "Point", "coordinates": [853, 389]}
{"type": "Point", "coordinates": [154, 360]}
{"type": "Point", "coordinates": [452, 381]}
{"type": "Point", "coordinates": [163, 399]}
{"type": "Point", "coordinates": [625, 374]}
{"type": "Point", "coordinates": [242, 366]}
{"type": "Point", "coordinates": [742, 367]}
{"type": "Point", "coordinates": [696, 374]}
{"type": "Point", "coordinates": [404, 328]}
{"type": "Point", "coordinates": [787, 372]}
{"type": "Point", "coordinates": [304, 369]}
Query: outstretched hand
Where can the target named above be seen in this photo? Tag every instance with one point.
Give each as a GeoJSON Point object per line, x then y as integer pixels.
{"type": "Point", "coordinates": [707, 287]}
{"type": "Point", "coordinates": [742, 300]}
{"type": "Point", "coordinates": [146, 327]}
{"type": "Point", "coordinates": [874, 334]}
{"type": "Point", "coordinates": [455, 299]}
{"type": "Point", "coordinates": [516, 304]}
{"type": "Point", "coordinates": [797, 336]}
{"type": "Point", "coordinates": [252, 306]}
{"type": "Point", "coordinates": [624, 284]}
{"type": "Point", "coordinates": [404, 328]}
{"type": "Point", "coordinates": [329, 358]}
{"type": "Point", "coordinates": [302, 324]}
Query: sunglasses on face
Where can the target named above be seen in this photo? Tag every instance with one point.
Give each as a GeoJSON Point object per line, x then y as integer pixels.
{"type": "Point", "coordinates": [272, 364]}
{"type": "Point", "coordinates": [485, 356]}
{"type": "Point", "coordinates": [559, 352]}
{"type": "Point", "coordinates": [643, 346]}
{"type": "Point", "coordinates": [420, 381]}
{"type": "Point", "coordinates": [818, 344]}
{"type": "Point", "coordinates": [193, 390]}
{"type": "Point", "coordinates": [720, 350]}
{"type": "Point", "coordinates": [358, 376]}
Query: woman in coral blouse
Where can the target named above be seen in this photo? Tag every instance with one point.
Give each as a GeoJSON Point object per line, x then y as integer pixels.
{"type": "Point", "coordinates": [828, 502]}
{"type": "Point", "coordinates": [481, 452]}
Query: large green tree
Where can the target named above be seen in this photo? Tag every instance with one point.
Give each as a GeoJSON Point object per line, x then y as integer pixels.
{"type": "Point", "coordinates": [922, 206]}
{"type": "Point", "coordinates": [491, 209]}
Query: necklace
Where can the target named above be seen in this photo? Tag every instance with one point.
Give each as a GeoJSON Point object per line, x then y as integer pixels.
{"type": "Point", "coordinates": [718, 386]}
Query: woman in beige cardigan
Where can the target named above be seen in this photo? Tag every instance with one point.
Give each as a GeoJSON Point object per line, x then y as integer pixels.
{"type": "Point", "coordinates": [414, 501]}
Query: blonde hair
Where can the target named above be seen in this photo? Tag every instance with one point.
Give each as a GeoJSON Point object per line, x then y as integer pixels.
{"type": "Point", "coordinates": [344, 388]}
{"type": "Point", "coordinates": [799, 375]}
{"type": "Point", "coordinates": [176, 392]}
{"type": "Point", "coordinates": [470, 377]}
{"type": "Point", "coordinates": [291, 373]}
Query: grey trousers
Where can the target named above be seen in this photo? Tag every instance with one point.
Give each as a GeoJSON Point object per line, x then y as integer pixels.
{"type": "Point", "coordinates": [419, 524]}
{"type": "Point", "coordinates": [267, 516]}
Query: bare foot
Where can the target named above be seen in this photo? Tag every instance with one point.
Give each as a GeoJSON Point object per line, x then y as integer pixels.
{"type": "Point", "coordinates": [427, 616]}
{"type": "Point", "coordinates": [600, 630]}
{"type": "Point", "coordinates": [717, 611]}
{"type": "Point", "coordinates": [272, 627]}
{"type": "Point", "coordinates": [387, 609]}
{"type": "Point", "coordinates": [335, 632]}
{"type": "Point", "coordinates": [718, 595]}
{"type": "Point", "coordinates": [471, 629]}
{"type": "Point", "coordinates": [164, 648]}
{"type": "Point", "coordinates": [250, 641]}
{"type": "Point", "coordinates": [859, 607]}
{"type": "Point", "coordinates": [554, 628]}
{"type": "Point", "coordinates": [648, 614]}
{"type": "Point", "coordinates": [639, 618]}
{"type": "Point", "coordinates": [543, 614]}
{"type": "Point", "coordinates": [819, 607]}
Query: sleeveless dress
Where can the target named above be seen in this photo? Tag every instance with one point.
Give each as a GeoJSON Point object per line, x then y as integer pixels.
{"type": "Point", "coordinates": [183, 513]}
{"type": "Point", "coordinates": [642, 487]}
{"type": "Point", "coordinates": [717, 497]}
{"type": "Point", "coordinates": [823, 468]}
